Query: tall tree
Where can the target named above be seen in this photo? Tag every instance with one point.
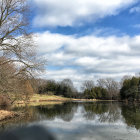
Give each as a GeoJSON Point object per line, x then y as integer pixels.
{"type": "Point", "coordinates": [17, 48]}
{"type": "Point", "coordinates": [15, 43]}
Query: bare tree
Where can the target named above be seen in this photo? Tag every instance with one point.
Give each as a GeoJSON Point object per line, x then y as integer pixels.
{"type": "Point", "coordinates": [15, 43]}
{"type": "Point", "coordinates": [69, 88]}
{"type": "Point", "coordinates": [88, 84]}
{"type": "Point", "coordinates": [111, 85]}
{"type": "Point", "coordinates": [18, 58]}
{"type": "Point", "coordinates": [14, 87]}
{"type": "Point", "coordinates": [69, 83]}
{"type": "Point", "coordinates": [101, 83]}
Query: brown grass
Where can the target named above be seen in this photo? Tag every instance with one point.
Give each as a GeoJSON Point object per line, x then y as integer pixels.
{"type": "Point", "coordinates": [37, 99]}
{"type": "Point", "coordinates": [5, 115]}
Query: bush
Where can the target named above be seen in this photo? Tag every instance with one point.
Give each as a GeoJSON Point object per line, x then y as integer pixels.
{"type": "Point", "coordinates": [4, 101]}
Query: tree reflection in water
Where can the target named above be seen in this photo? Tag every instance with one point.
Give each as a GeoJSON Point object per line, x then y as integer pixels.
{"type": "Point", "coordinates": [64, 111]}
{"type": "Point", "coordinates": [106, 112]}
{"type": "Point", "coordinates": [102, 112]}
{"type": "Point", "coordinates": [131, 114]}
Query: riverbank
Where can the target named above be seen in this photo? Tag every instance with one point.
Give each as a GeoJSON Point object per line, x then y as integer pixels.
{"type": "Point", "coordinates": [38, 99]}
{"type": "Point", "coordinates": [44, 99]}
{"type": "Point", "coordinates": [6, 115]}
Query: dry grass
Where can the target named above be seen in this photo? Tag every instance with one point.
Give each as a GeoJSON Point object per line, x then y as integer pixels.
{"type": "Point", "coordinates": [84, 100]}
{"type": "Point", "coordinates": [38, 103]}
{"type": "Point", "coordinates": [5, 115]}
{"type": "Point", "coordinates": [37, 99]}
{"type": "Point", "coordinates": [45, 99]}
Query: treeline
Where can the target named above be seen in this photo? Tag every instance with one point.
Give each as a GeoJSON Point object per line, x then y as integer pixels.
{"type": "Point", "coordinates": [130, 89]}
{"type": "Point", "coordinates": [127, 89]}
{"type": "Point", "coordinates": [64, 88]}
{"type": "Point", "coordinates": [105, 89]}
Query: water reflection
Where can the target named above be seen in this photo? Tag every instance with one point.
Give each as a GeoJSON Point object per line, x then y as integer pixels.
{"type": "Point", "coordinates": [90, 120]}
{"type": "Point", "coordinates": [131, 113]}
{"type": "Point", "coordinates": [107, 112]}
{"type": "Point", "coordinates": [65, 111]}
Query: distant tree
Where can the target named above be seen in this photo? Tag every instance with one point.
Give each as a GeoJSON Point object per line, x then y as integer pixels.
{"type": "Point", "coordinates": [101, 83]}
{"type": "Point", "coordinates": [96, 93]}
{"type": "Point", "coordinates": [68, 82]}
{"type": "Point", "coordinates": [129, 90]}
{"type": "Point", "coordinates": [111, 86]}
{"type": "Point", "coordinates": [51, 86]}
{"type": "Point", "coordinates": [101, 93]}
{"type": "Point", "coordinates": [48, 87]}
{"type": "Point", "coordinates": [68, 88]}
{"type": "Point", "coordinates": [89, 94]}
{"type": "Point", "coordinates": [64, 88]}
{"type": "Point", "coordinates": [123, 79]}
{"type": "Point", "coordinates": [87, 84]}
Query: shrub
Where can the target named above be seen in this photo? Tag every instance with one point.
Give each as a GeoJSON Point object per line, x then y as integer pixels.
{"type": "Point", "coordinates": [4, 101]}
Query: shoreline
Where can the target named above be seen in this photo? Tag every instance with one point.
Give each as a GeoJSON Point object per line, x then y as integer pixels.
{"type": "Point", "coordinates": [37, 100]}
{"type": "Point", "coordinates": [59, 102]}
{"type": "Point", "coordinates": [7, 115]}
{"type": "Point", "coordinates": [43, 99]}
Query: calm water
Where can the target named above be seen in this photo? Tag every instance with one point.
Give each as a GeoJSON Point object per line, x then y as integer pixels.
{"type": "Point", "coordinates": [85, 121]}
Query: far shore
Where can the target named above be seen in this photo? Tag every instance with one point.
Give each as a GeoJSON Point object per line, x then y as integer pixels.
{"type": "Point", "coordinates": [37, 100]}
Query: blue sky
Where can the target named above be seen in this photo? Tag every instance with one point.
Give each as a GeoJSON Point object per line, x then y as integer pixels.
{"type": "Point", "coordinates": [87, 39]}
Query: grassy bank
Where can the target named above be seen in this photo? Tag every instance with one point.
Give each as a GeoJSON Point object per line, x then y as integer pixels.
{"type": "Point", "coordinates": [44, 99]}
{"type": "Point", "coordinates": [6, 115]}
{"type": "Point", "coordinates": [35, 100]}
{"type": "Point", "coordinates": [38, 99]}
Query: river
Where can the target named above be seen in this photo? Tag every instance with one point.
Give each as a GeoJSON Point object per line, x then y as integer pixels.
{"type": "Point", "coordinates": [84, 120]}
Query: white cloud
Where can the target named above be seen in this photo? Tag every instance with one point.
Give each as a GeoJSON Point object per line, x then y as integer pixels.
{"type": "Point", "coordinates": [135, 9]}
{"type": "Point", "coordinates": [74, 12]}
{"type": "Point", "coordinates": [89, 57]}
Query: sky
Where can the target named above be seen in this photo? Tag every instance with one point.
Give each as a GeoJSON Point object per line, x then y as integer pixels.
{"type": "Point", "coordinates": [87, 39]}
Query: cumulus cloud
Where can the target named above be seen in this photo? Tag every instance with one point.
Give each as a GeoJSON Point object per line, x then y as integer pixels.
{"type": "Point", "coordinates": [89, 57]}
{"type": "Point", "coordinates": [135, 9]}
{"type": "Point", "coordinates": [75, 12]}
